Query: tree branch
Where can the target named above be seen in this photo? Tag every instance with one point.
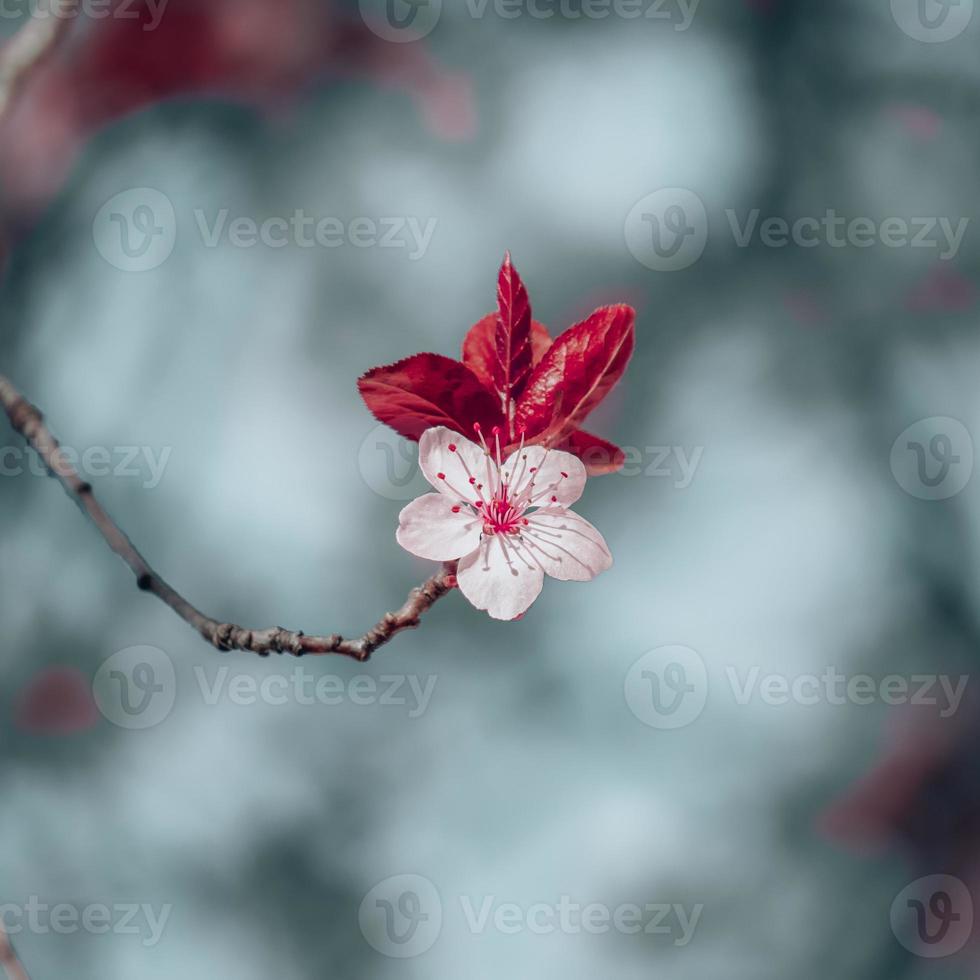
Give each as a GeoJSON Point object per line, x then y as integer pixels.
{"type": "Point", "coordinates": [28, 421]}
{"type": "Point", "coordinates": [32, 44]}
{"type": "Point", "coordinates": [12, 967]}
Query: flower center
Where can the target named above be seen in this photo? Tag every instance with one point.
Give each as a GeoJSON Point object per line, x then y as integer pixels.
{"type": "Point", "coordinates": [505, 496]}
{"type": "Point", "coordinates": [501, 515]}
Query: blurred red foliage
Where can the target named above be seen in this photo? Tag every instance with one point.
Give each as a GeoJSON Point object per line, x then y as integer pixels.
{"type": "Point", "coordinates": [251, 51]}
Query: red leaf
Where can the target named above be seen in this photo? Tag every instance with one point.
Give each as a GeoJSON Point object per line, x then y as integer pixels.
{"type": "Point", "coordinates": [599, 456]}
{"type": "Point", "coordinates": [428, 390]}
{"type": "Point", "coordinates": [480, 347]}
{"type": "Point", "coordinates": [513, 336]}
{"type": "Point", "coordinates": [579, 370]}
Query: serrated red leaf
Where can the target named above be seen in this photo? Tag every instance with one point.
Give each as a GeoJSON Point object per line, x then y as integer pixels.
{"type": "Point", "coordinates": [427, 390]}
{"type": "Point", "coordinates": [600, 457]}
{"type": "Point", "coordinates": [480, 347]}
{"type": "Point", "coordinates": [513, 336]}
{"type": "Point", "coordinates": [579, 370]}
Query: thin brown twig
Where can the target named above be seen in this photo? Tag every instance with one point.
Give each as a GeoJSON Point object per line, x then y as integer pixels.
{"type": "Point", "coordinates": [28, 421]}
{"type": "Point", "coordinates": [48, 23]}
{"type": "Point", "coordinates": [12, 967]}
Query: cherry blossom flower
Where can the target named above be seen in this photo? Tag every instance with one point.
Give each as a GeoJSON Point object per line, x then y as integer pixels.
{"type": "Point", "coordinates": [506, 520]}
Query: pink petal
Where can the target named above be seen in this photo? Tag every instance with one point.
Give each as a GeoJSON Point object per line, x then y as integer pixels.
{"type": "Point", "coordinates": [566, 546]}
{"type": "Point", "coordinates": [428, 528]}
{"type": "Point", "coordinates": [450, 470]}
{"type": "Point", "coordinates": [557, 475]}
{"type": "Point", "coordinates": [500, 577]}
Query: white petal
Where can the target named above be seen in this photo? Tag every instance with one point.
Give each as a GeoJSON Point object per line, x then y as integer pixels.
{"type": "Point", "coordinates": [566, 546]}
{"type": "Point", "coordinates": [428, 528]}
{"type": "Point", "coordinates": [500, 577]}
{"type": "Point", "coordinates": [556, 474]}
{"type": "Point", "coordinates": [457, 465]}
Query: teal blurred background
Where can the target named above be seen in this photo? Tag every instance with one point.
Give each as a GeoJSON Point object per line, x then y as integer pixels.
{"type": "Point", "coordinates": [775, 520]}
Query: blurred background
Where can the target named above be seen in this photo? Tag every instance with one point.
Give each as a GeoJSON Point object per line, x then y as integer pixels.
{"type": "Point", "coordinates": [750, 747]}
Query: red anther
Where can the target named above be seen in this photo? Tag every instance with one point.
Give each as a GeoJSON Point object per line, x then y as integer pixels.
{"type": "Point", "coordinates": [479, 486]}
{"type": "Point", "coordinates": [525, 522]}
{"type": "Point", "coordinates": [442, 476]}
{"type": "Point", "coordinates": [472, 480]}
{"type": "Point", "coordinates": [533, 469]}
{"type": "Point", "coordinates": [452, 447]}
{"type": "Point", "coordinates": [564, 474]}
{"type": "Point", "coordinates": [496, 430]}
{"type": "Point", "coordinates": [554, 500]}
{"type": "Point", "coordinates": [478, 503]}
{"type": "Point", "coordinates": [455, 510]}
{"type": "Point", "coordinates": [476, 426]}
